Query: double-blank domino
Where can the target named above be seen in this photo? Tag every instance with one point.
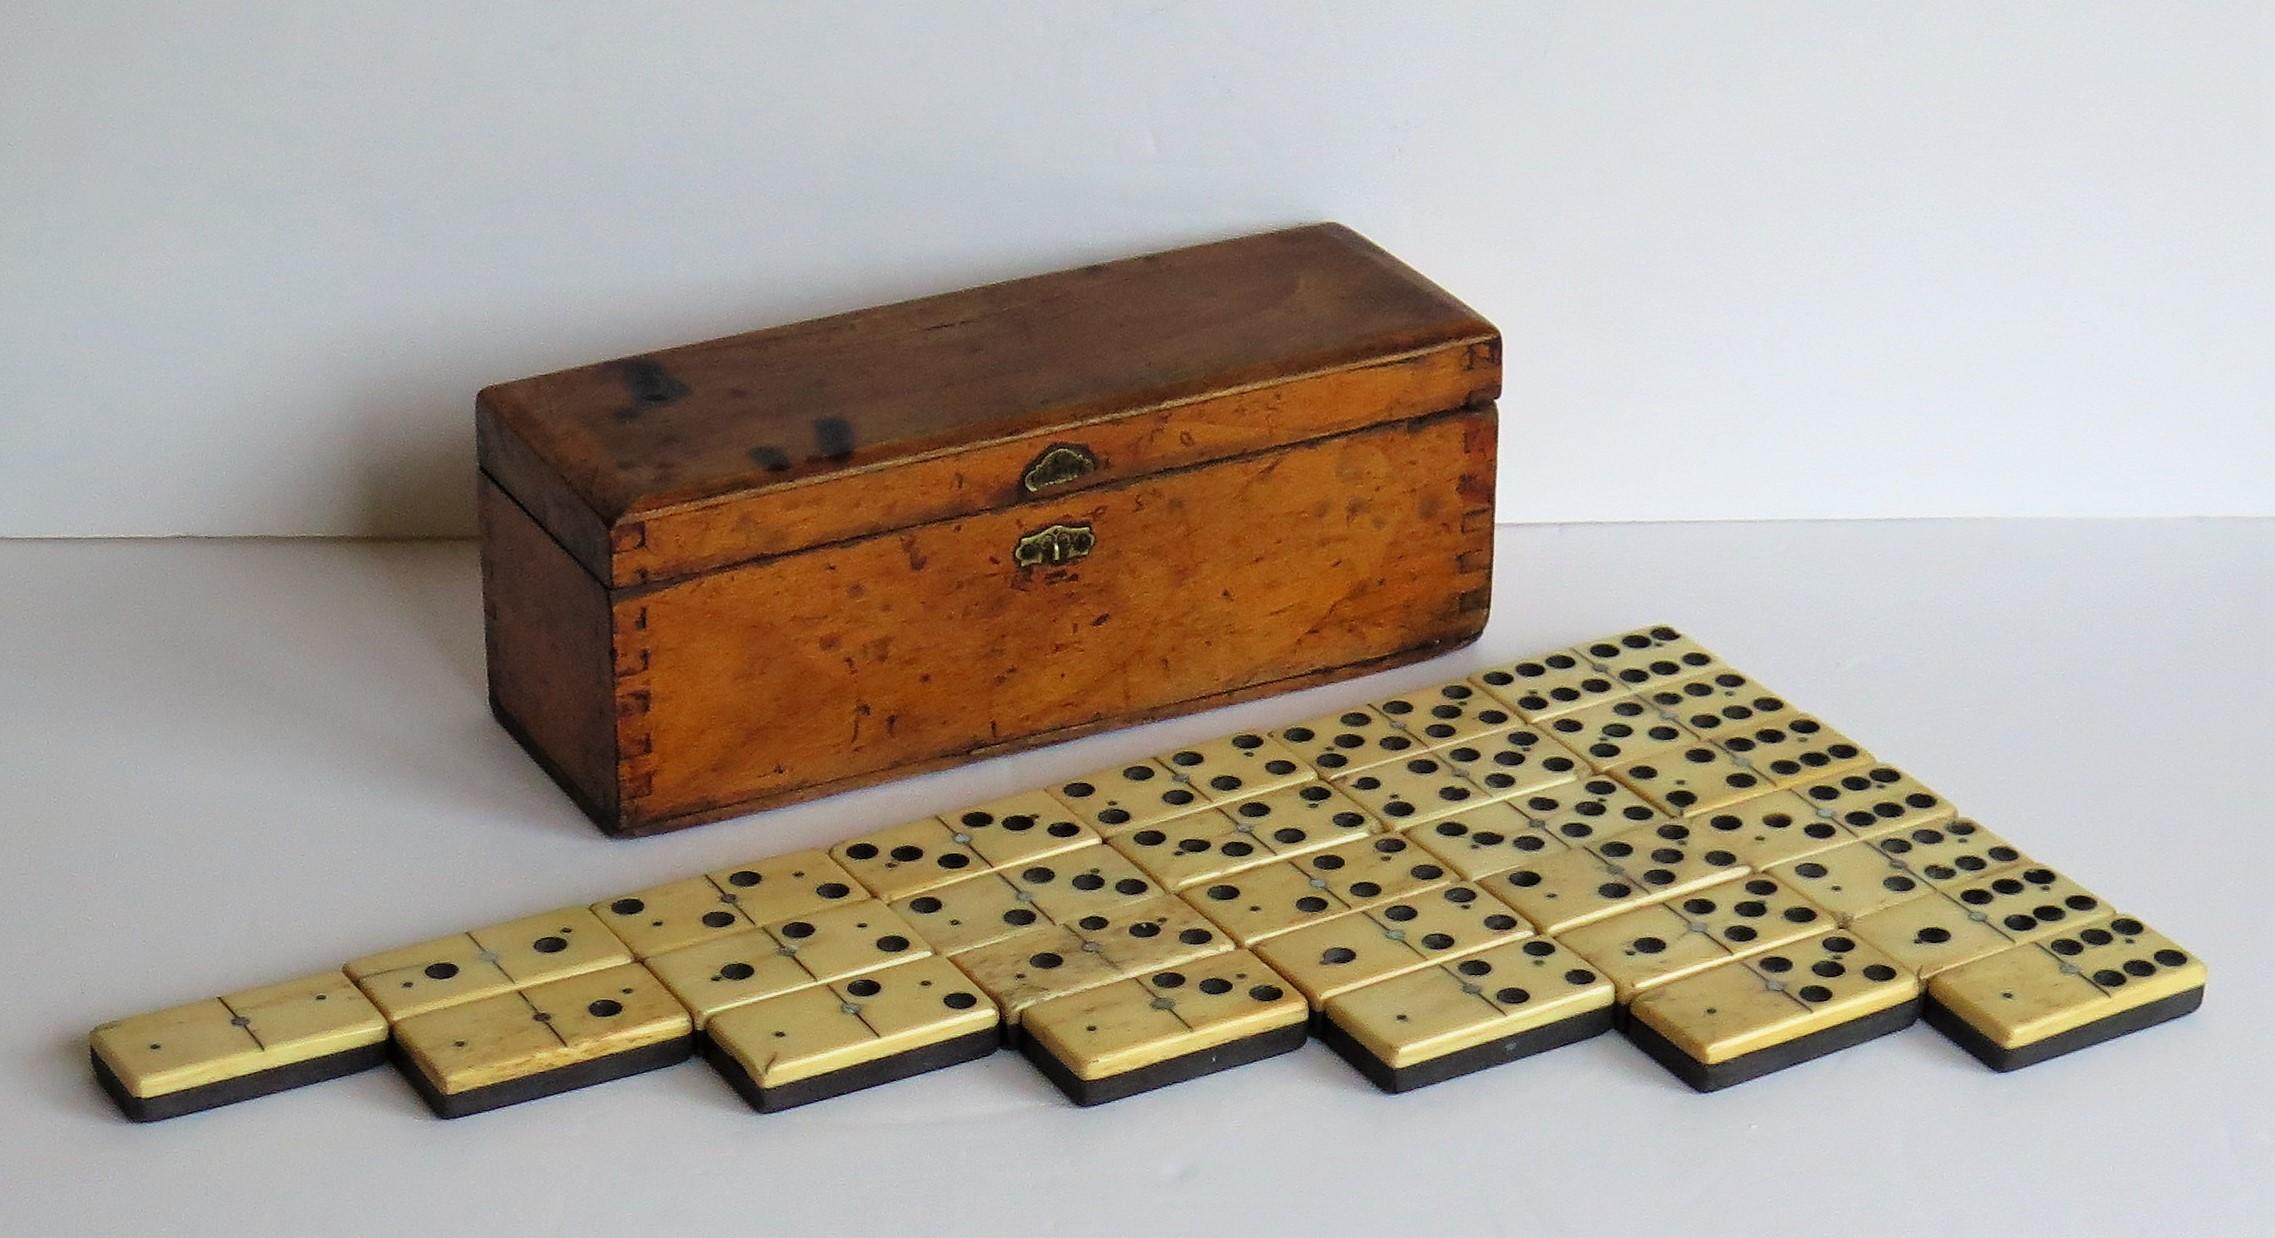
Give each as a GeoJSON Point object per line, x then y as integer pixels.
{"type": "Point", "coordinates": [226, 1049]}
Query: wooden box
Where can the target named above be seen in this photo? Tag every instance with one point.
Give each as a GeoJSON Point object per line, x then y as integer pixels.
{"type": "Point", "coordinates": [777, 565]}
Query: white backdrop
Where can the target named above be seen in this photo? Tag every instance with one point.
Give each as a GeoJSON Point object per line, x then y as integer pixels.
{"type": "Point", "coordinates": [1757, 260]}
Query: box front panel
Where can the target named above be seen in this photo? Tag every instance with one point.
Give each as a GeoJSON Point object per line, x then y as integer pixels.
{"type": "Point", "coordinates": [841, 664]}
{"type": "Point", "coordinates": [681, 542]}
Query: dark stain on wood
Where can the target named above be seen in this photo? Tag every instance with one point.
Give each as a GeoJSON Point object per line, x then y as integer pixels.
{"type": "Point", "coordinates": [650, 385]}
{"type": "Point", "coordinates": [833, 436]}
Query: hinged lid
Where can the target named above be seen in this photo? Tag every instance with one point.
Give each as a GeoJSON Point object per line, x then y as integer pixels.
{"type": "Point", "coordinates": [674, 462]}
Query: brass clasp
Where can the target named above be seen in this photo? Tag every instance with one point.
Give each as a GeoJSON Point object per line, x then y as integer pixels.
{"type": "Point", "coordinates": [1054, 545]}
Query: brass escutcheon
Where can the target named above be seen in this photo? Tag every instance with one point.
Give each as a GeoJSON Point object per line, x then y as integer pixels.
{"type": "Point", "coordinates": [1054, 545]}
{"type": "Point", "coordinates": [1059, 464]}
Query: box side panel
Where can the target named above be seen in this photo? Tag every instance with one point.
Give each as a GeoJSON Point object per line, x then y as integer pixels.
{"type": "Point", "coordinates": [529, 481]}
{"type": "Point", "coordinates": [545, 627]}
{"type": "Point", "coordinates": [664, 545]}
{"type": "Point", "coordinates": [790, 677]}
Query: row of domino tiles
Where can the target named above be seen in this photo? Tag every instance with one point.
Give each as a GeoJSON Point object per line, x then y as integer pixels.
{"type": "Point", "coordinates": [1627, 833]}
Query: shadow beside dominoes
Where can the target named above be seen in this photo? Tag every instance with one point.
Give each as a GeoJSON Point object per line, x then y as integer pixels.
{"type": "Point", "coordinates": [1624, 834]}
